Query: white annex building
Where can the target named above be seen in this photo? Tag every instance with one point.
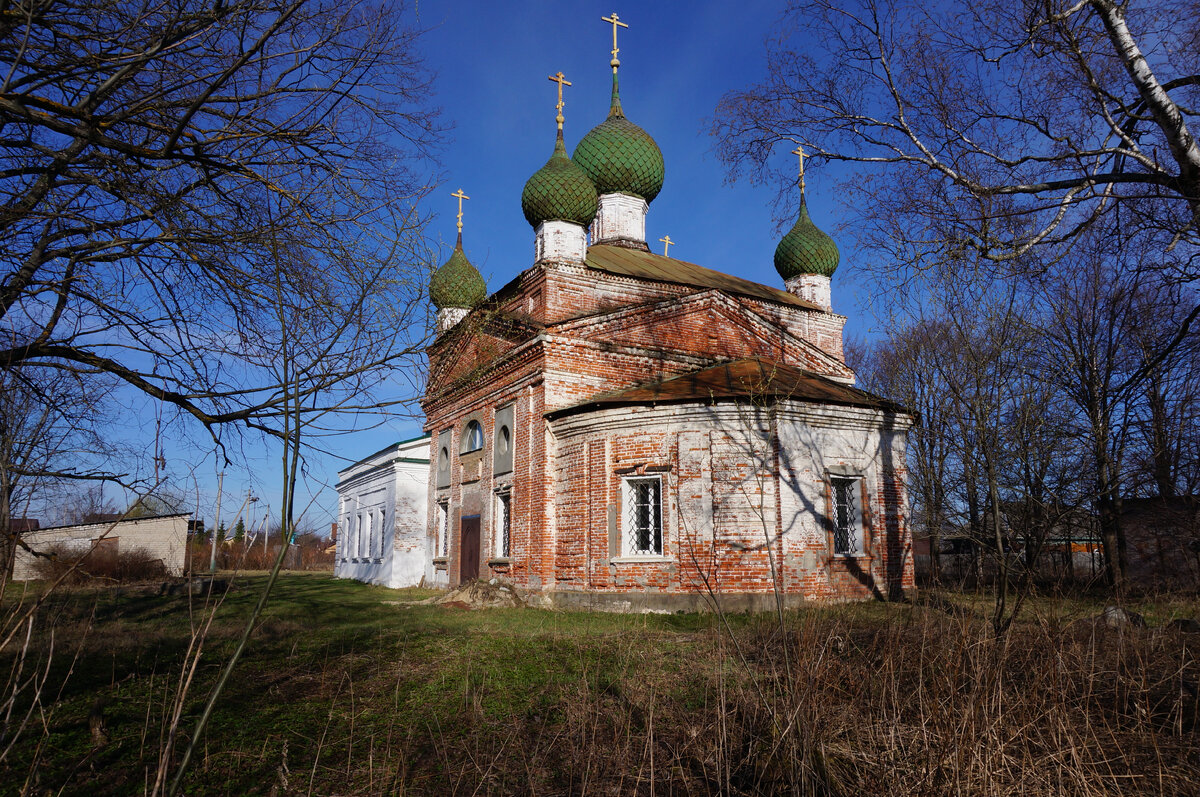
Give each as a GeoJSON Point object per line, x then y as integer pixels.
{"type": "Point", "coordinates": [382, 503]}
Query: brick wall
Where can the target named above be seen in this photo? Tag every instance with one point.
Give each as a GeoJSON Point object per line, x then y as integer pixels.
{"type": "Point", "coordinates": [743, 501]}
{"type": "Point", "coordinates": [736, 514]}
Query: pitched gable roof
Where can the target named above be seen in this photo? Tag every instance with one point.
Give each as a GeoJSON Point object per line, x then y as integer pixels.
{"type": "Point", "coordinates": [644, 265]}
{"type": "Point", "coordinates": [480, 339]}
{"type": "Point", "coordinates": [628, 321]}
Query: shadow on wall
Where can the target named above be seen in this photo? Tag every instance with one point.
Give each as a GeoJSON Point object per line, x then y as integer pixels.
{"type": "Point", "coordinates": [756, 444]}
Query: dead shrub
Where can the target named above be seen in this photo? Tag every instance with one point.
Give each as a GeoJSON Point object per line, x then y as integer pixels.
{"type": "Point", "coordinates": [306, 553]}
{"type": "Point", "coordinates": [833, 703]}
{"type": "Point", "coordinates": [100, 563]}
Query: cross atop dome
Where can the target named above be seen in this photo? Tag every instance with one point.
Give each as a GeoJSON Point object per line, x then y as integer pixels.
{"type": "Point", "coordinates": [561, 80]}
{"type": "Point", "coordinates": [616, 23]}
{"type": "Point", "coordinates": [799, 150]}
{"type": "Point", "coordinates": [461, 196]}
{"type": "Point", "coordinates": [624, 164]}
{"type": "Point", "coordinates": [807, 257]}
{"type": "Point", "coordinates": [559, 201]}
{"type": "Point", "coordinates": [457, 286]}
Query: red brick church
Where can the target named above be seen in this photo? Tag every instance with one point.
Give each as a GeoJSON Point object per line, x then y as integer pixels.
{"type": "Point", "coordinates": [619, 429]}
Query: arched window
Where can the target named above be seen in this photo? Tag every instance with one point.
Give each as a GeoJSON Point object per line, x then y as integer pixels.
{"type": "Point", "coordinates": [472, 437]}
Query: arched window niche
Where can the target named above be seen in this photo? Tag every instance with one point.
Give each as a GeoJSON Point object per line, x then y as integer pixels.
{"type": "Point", "coordinates": [472, 437]}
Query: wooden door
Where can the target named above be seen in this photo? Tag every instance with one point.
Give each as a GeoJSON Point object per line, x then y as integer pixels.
{"type": "Point", "coordinates": [469, 563]}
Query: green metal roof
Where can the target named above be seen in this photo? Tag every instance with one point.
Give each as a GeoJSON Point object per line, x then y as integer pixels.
{"type": "Point", "coordinates": [805, 249]}
{"type": "Point", "coordinates": [559, 191]}
{"type": "Point", "coordinates": [619, 157]}
{"type": "Point", "coordinates": [636, 263]}
{"type": "Point", "coordinates": [457, 283]}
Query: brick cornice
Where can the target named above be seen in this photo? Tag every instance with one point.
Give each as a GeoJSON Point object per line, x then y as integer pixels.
{"type": "Point", "coordinates": [728, 414]}
{"type": "Point", "coordinates": [470, 387]}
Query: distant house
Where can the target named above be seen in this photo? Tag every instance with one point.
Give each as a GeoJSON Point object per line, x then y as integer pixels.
{"type": "Point", "coordinates": [382, 501]}
{"type": "Point", "coordinates": [1066, 545]}
{"type": "Point", "coordinates": [164, 537]}
{"type": "Point", "coordinates": [1162, 539]}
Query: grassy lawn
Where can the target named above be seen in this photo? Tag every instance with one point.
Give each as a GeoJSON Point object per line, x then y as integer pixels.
{"type": "Point", "coordinates": [353, 689]}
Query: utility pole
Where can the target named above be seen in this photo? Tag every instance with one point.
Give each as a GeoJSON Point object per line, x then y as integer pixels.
{"type": "Point", "coordinates": [212, 559]}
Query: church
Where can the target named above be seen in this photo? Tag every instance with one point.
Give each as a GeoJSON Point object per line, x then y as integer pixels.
{"type": "Point", "coordinates": [621, 430]}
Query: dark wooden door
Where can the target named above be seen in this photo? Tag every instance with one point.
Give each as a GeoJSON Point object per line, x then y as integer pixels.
{"type": "Point", "coordinates": [469, 564]}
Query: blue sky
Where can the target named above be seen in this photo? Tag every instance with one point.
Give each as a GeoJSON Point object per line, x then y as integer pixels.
{"type": "Point", "coordinates": [491, 61]}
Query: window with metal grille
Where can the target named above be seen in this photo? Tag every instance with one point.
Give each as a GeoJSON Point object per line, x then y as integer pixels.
{"type": "Point", "coordinates": [847, 525]}
{"type": "Point", "coordinates": [643, 516]}
{"type": "Point", "coordinates": [503, 525]}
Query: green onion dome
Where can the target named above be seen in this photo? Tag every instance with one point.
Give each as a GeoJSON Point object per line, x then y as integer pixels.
{"type": "Point", "coordinates": [805, 249]}
{"type": "Point", "coordinates": [559, 191]}
{"type": "Point", "coordinates": [457, 283]}
{"type": "Point", "coordinates": [619, 157]}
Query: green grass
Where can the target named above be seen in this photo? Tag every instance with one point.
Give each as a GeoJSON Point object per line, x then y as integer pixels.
{"type": "Point", "coordinates": [329, 657]}
{"type": "Point", "coordinates": [353, 689]}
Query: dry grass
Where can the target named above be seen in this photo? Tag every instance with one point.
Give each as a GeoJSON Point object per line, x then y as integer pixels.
{"type": "Point", "coordinates": [345, 693]}
{"type": "Point", "coordinates": [306, 553]}
{"type": "Point", "coordinates": [99, 563]}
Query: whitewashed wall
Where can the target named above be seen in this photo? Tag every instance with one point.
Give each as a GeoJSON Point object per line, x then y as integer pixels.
{"type": "Point", "coordinates": [817, 440]}
{"type": "Point", "coordinates": [163, 538]}
{"type": "Point", "coordinates": [381, 516]}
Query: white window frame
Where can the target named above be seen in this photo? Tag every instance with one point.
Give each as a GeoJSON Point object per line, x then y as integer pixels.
{"type": "Point", "coordinates": [442, 538]}
{"type": "Point", "coordinates": [502, 524]}
{"type": "Point", "coordinates": [381, 549]}
{"type": "Point", "coordinates": [473, 437]}
{"type": "Point", "coordinates": [630, 530]}
{"type": "Point", "coordinates": [846, 529]}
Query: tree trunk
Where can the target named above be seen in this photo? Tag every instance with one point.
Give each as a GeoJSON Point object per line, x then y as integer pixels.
{"type": "Point", "coordinates": [1161, 454]}
{"type": "Point", "coordinates": [1111, 538]}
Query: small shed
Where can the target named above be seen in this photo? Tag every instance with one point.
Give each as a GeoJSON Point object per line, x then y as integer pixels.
{"type": "Point", "coordinates": [163, 537]}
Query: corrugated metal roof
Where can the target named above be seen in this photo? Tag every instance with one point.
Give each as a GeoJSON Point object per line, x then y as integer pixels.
{"type": "Point", "coordinates": [754, 377]}
{"type": "Point", "coordinates": [636, 263]}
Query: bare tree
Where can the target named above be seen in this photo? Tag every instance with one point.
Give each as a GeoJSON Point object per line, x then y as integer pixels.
{"type": "Point", "coordinates": [904, 368]}
{"type": "Point", "coordinates": [178, 178]}
{"type": "Point", "coordinates": [50, 441]}
{"type": "Point", "coordinates": [1088, 351]}
{"type": "Point", "coordinates": [89, 505]}
{"type": "Point", "coordinates": [1165, 456]}
{"type": "Point", "coordinates": [990, 126]}
{"type": "Point", "coordinates": [156, 158]}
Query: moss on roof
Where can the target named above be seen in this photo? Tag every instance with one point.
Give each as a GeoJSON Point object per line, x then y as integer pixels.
{"type": "Point", "coordinates": [806, 249]}
{"type": "Point", "coordinates": [619, 157]}
{"type": "Point", "coordinates": [754, 378]}
{"type": "Point", "coordinates": [457, 283]}
{"type": "Point", "coordinates": [647, 265]}
{"type": "Point", "coordinates": [559, 191]}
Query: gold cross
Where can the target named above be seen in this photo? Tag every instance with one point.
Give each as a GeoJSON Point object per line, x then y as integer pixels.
{"type": "Point", "coordinates": [615, 21]}
{"type": "Point", "coordinates": [666, 245]}
{"type": "Point", "coordinates": [799, 150]}
{"type": "Point", "coordinates": [561, 81]}
{"type": "Point", "coordinates": [461, 196]}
